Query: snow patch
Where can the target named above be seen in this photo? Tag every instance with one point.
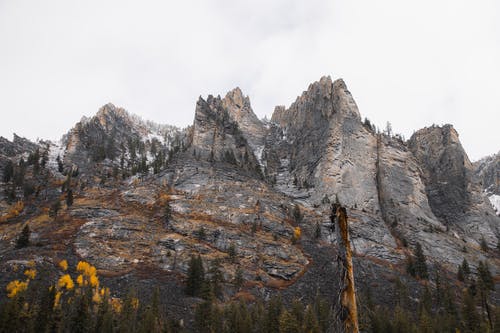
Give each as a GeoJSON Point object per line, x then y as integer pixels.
{"type": "Point", "coordinates": [495, 202]}
{"type": "Point", "coordinates": [258, 154]}
{"type": "Point", "coordinates": [55, 149]}
{"type": "Point", "coordinates": [151, 136]}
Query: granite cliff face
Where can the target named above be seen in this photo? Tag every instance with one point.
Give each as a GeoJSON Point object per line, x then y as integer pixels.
{"type": "Point", "coordinates": [234, 188]}
{"type": "Point", "coordinates": [407, 192]}
{"type": "Point", "coordinates": [453, 194]}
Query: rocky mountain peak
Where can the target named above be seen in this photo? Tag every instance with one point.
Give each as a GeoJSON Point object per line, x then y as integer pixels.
{"type": "Point", "coordinates": [108, 115]}
{"type": "Point", "coordinates": [317, 104]}
{"type": "Point", "coordinates": [343, 101]}
{"type": "Point", "coordinates": [227, 130]}
{"type": "Point", "coordinates": [436, 140]}
{"type": "Point", "coordinates": [240, 111]}
{"type": "Point", "coordinates": [237, 98]}
{"type": "Point", "coordinates": [238, 105]}
{"type": "Point", "coordinates": [446, 170]}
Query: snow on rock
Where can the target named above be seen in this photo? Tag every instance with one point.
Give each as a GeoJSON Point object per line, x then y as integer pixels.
{"type": "Point", "coordinates": [55, 149]}
{"type": "Point", "coordinates": [495, 201]}
{"type": "Point", "coordinates": [258, 154]}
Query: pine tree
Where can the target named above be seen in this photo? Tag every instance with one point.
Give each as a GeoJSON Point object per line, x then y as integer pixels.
{"type": "Point", "coordinates": [322, 309]}
{"type": "Point", "coordinates": [388, 129]}
{"type": "Point", "coordinates": [24, 237]}
{"type": "Point", "coordinates": [167, 212]}
{"type": "Point", "coordinates": [310, 324]}
{"type": "Point", "coordinates": [19, 173]}
{"type": "Point", "coordinates": [317, 231]}
{"type": "Point", "coordinates": [128, 315]}
{"type": "Point", "coordinates": [104, 318]}
{"type": "Point", "coordinates": [45, 158]}
{"type": "Point", "coordinates": [45, 309]}
{"type": "Point", "coordinates": [231, 251]}
{"type": "Point", "coordinates": [325, 200]}
{"type": "Point", "coordinates": [288, 323]}
{"type": "Point", "coordinates": [497, 320]}
{"type": "Point", "coordinates": [195, 276]}
{"type": "Point", "coordinates": [401, 320]}
{"type": "Point", "coordinates": [297, 215]}
{"type": "Point", "coordinates": [238, 278]}
{"type": "Point", "coordinates": [200, 233]}
{"type": "Point", "coordinates": [484, 245]}
{"type": "Point", "coordinates": [148, 323]}
{"type": "Point", "coordinates": [60, 165]}
{"type": "Point", "coordinates": [54, 208]}
{"type": "Point", "coordinates": [465, 268]}
{"type": "Point", "coordinates": [216, 277]}
{"type": "Point", "coordinates": [80, 321]}
{"type": "Point", "coordinates": [469, 313]}
{"type": "Point", "coordinates": [203, 317]}
{"type": "Point", "coordinates": [36, 161]}
{"type": "Point", "coordinates": [420, 262]}
{"type": "Point", "coordinates": [8, 171]}
{"type": "Point", "coordinates": [425, 322]}
{"type": "Point", "coordinates": [28, 189]}
{"type": "Point", "coordinates": [486, 284]}
{"type": "Point", "coordinates": [69, 198]}
{"type": "Point", "coordinates": [485, 277]}
{"type": "Point", "coordinates": [297, 310]}
{"type": "Point", "coordinates": [460, 274]}
{"type": "Point", "coordinates": [272, 319]}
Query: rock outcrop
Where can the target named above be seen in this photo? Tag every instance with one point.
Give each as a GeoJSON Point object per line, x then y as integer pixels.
{"type": "Point", "coordinates": [217, 135]}
{"type": "Point", "coordinates": [453, 194]}
{"type": "Point", "coordinates": [487, 174]}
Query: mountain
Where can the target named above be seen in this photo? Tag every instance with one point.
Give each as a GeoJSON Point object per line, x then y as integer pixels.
{"type": "Point", "coordinates": [238, 190]}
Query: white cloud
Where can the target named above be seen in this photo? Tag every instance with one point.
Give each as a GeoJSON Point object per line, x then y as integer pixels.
{"type": "Point", "coordinates": [413, 64]}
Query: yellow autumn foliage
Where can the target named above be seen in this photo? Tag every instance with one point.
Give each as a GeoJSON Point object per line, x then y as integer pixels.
{"type": "Point", "coordinates": [65, 286]}
{"type": "Point", "coordinates": [13, 211]}
{"type": "Point", "coordinates": [94, 281]}
{"type": "Point", "coordinates": [116, 305]}
{"type": "Point", "coordinates": [57, 299]}
{"type": "Point", "coordinates": [66, 281]}
{"type": "Point", "coordinates": [63, 264]}
{"type": "Point", "coordinates": [135, 303]}
{"type": "Point", "coordinates": [96, 297]}
{"type": "Point", "coordinates": [79, 280]}
{"type": "Point", "coordinates": [105, 292]}
{"type": "Point", "coordinates": [30, 273]}
{"type": "Point", "coordinates": [297, 233]}
{"type": "Point", "coordinates": [15, 287]}
{"type": "Point", "coordinates": [86, 269]}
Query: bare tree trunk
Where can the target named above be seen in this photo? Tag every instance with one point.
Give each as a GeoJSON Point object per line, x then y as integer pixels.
{"type": "Point", "coordinates": [348, 312]}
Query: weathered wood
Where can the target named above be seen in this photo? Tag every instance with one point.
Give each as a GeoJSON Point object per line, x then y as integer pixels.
{"type": "Point", "coordinates": [346, 303]}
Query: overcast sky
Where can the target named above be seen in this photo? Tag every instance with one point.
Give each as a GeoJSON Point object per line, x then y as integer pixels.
{"type": "Point", "coordinates": [413, 63]}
